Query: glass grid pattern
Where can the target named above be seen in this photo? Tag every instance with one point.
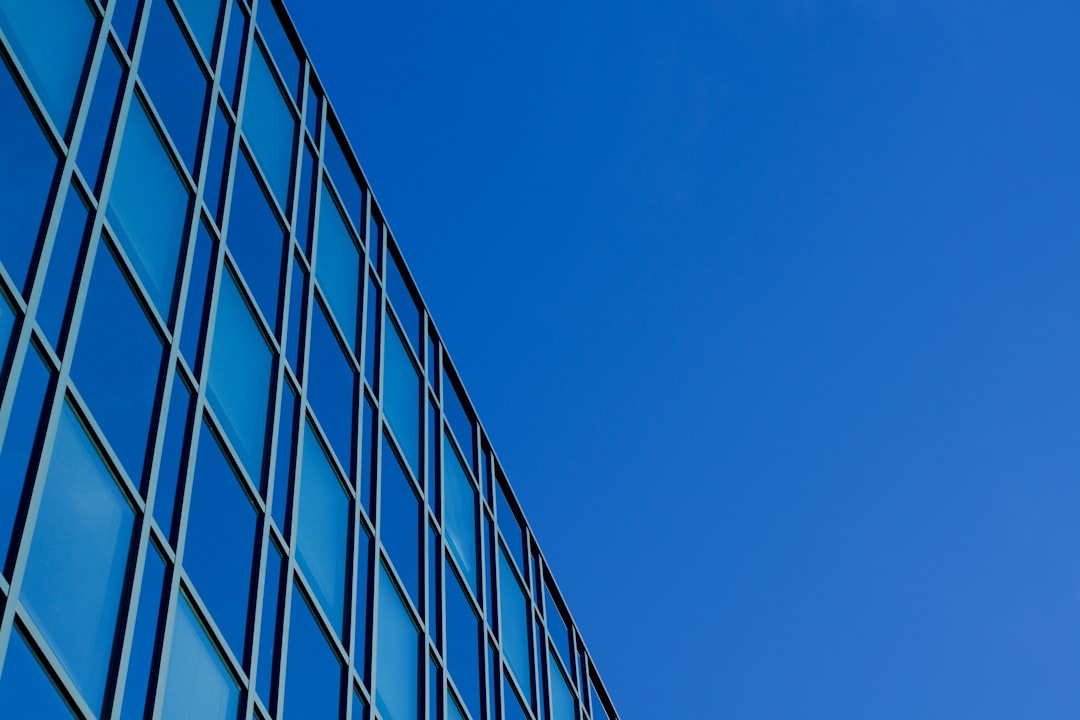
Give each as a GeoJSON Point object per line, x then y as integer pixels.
{"type": "Point", "coordinates": [305, 620]}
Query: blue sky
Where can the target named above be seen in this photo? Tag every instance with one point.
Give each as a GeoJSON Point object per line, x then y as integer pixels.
{"type": "Point", "coordinates": [771, 311]}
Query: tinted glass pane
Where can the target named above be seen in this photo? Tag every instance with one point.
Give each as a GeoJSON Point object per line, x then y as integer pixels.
{"type": "Point", "coordinates": [173, 456]}
{"type": "Point", "coordinates": [124, 19]}
{"type": "Point", "coordinates": [397, 682]}
{"type": "Point", "coordinates": [400, 522]}
{"type": "Point", "coordinates": [51, 39]}
{"type": "Point", "coordinates": [59, 281]}
{"type": "Point", "coordinates": [343, 177]}
{"type": "Point", "coordinates": [359, 708]}
{"type": "Point", "coordinates": [513, 708]}
{"type": "Point", "coordinates": [269, 637]}
{"type": "Point", "coordinates": [312, 671]}
{"type": "Point", "coordinates": [142, 646]}
{"type": "Point", "coordinates": [256, 239]}
{"type": "Point", "coordinates": [558, 627]}
{"type": "Point", "coordinates": [460, 420]}
{"type": "Point", "coordinates": [337, 267]}
{"type": "Point", "coordinates": [286, 449]}
{"type": "Point", "coordinates": [202, 18]}
{"type": "Point", "coordinates": [269, 125]}
{"type": "Point", "coordinates": [281, 48]}
{"type": "Point", "coordinates": [148, 207]}
{"type": "Point", "coordinates": [22, 431]}
{"type": "Point", "coordinates": [27, 690]}
{"type": "Point", "coordinates": [198, 685]}
{"type": "Point", "coordinates": [598, 711]}
{"type": "Point", "coordinates": [454, 710]}
{"type": "Point", "coordinates": [220, 540]}
{"type": "Point", "coordinates": [431, 601]}
{"type": "Point", "coordinates": [99, 120]}
{"type": "Point", "coordinates": [367, 457]}
{"type": "Point", "coordinates": [191, 333]}
{"type": "Point", "coordinates": [460, 513]}
{"type": "Point", "coordinates": [312, 111]}
{"type": "Point", "coordinates": [215, 167]}
{"type": "Point", "coordinates": [294, 332]}
{"type": "Point", "coordinates": [331, 386]}
{"type": "Point", "coordinates": [371, 333]}
{"type": "Point", "coordinates": [462, 642]}
{"type": "Point", "coordinates": [7, 324]}
{"type": "Point", "coordinates": [239, 380]}
{"type": "Point", "coordinates": [363, 583]}
{"type": "Point", "coordinates": [510, 527]}
{"type": "Point", "coordinates": [404, 303]}
{"type": "Point", "coordinates": [562, 698]}
{"type": "Point", "coordinates": [307, 199]}
{"type": "Point", "coordinates": [174, 80]}
{"type": "Point", "coordinates": [401, 395]}
{"type": "Point", "coordinates": [323, 529]}
{"type": "Point", "coordinates": [113, 320]}
{"type": "Point", "coordinates": [23, 194]}
{"type": "Point", "coordinates": [75, 572]}
{"type": "Point", "coordinates": [230, 66]}
{"type": "Point", "coordinates": [514, 609]}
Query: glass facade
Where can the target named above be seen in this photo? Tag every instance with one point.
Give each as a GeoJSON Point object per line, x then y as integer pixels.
{"type": "Point", "coordinates": [239, 475]}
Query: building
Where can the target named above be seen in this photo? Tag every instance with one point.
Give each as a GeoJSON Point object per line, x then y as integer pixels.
{"type": "Point", "coordinates": [239, 476]}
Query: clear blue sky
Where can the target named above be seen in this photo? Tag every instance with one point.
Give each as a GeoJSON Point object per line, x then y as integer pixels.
{"type": "Point", "coordinates": [772, 310]}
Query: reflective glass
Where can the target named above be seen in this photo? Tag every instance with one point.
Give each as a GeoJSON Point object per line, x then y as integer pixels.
{"type": "Point", "coordinates": [221, 532]}
{"type": "Point", "coordinates": [63, 261]}
{"type": "Point", "coordinates": [460, 513]}
{"type": "Point", "coordinates": [460, 420]}
{"type": "Point", "coordinates": [199, 685]}
{"type": "Point", "coordinates": [78, 555]}
{"type": "Point", "coordinates": [176, 84]}
{"type": "Point", "coordinates": [337, 267]}
{"type": "Point", "coordinates": [454, 711]}
{"type": "Point", "coordinates": [510, 526]}
{"type": "Point", "coordinates": [400, 521]}
{"type": "Point", "coordinates": [269, 125]}
{"type": "Point", "coordinates": [598, 711]}
{"type": "Point", "coordinates": [513, 707]}
{"type": "Point", "coordinates": [514, 609]}
{"type": "Point", "coordinates": [312, 111]}
{"type": "Point", "coordinates": [363, 583]}
{"type": "Point", "coordinates": [113, 318]}
{"type": "Point", "coordinates": [27, 689]}
{"type": "Point", "coordinates": [369, 468]}
{"type": "Point", "coordinates": [331, 386]}
{"type": "Point", "coordinates": [280, 46]}
{"type": "Point", "coordinates": [256, 239]}
{"type": "Point", "coordinates": [142, 645]}
{"type": "Point", "coordinates": [294, 331]}
{"type": "Point", "coordinates": [434, 690]}
{"type": "Point", "coordinates": [323, 529]}
{"type": "Point", "coordinates": [220, 143]}
{"type": "Point", "coordinates": [23, 194]}
{"type": "Point", "coordinates": [404, 302]}
{"type": "Point", "coordinates": [286, 449]}
{"type": "Point", "coordinates": [462, 642]}
{"type": "Point", "coordinates": [239, 380]}
{"type": "Point", "coordinates": [342, 175]}
{"type": "Point", "coordinates": [230, 65]}
{"type": "Point", "coordinates": [51, 39]}
{"type": "Point", "coordinates": [269, 636]}
{"type": "Point", "coordinates": [202, 18]}
{"type": "Point", "coordinates": [371, 333]}
{"type": "Point", "coordinates": [402, 395]}
{"type": "Point", "coordinates": [123, 19]}
{"type": "Point", "coordinates": [359, 711]}
{"type": "Point", "coordinates": [173, 456]}
{"type": "Point", "coordinates": [307, 199]}
{"type": "Point", "coordinates": [312, 671]}
{"type": "Point", "coordinates": [103, 107]}
{"type": "Point", "coordinates": [562, 698]}
{"type": "Point", "coordinates": [397, 662]}
{"type": "Point", "coordinates": [558, 627]}
{"type": "Point", "coordinates": [148, 207]}
{"type": "Point", "coordinates": [191, 333]}
{"type": "Point", "coordinates": [431, 602]}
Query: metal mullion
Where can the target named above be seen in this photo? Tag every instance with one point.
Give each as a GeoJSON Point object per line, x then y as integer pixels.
{"type": "Point", "coordinates": [279, 76]}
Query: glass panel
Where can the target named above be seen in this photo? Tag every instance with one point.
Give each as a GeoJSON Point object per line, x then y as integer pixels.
{"type": "Point", "coordinates": [173, 456]}
{"type": "Point", "coordinates": [199, 684]}
{"type": "Point", "coordinates": [51, 39]}
{"type": "Point", "coordinates": [331, 386]}
{"type": "Point", "coordinates": [220, 542]}
{"type": "Point", "coordinates": [269, 636]}
{"type": "Point", "coordinates": [220, 144]}
{"type": "Point", "coordinates": [454, 710]}
{"type": "Point", "coordinates": [313, 671]}
{"type": "Point", "coordinates": [312, 111]}
{"type": "Point", "coordinates": [60, 280]}
{"type": "Point", "coordinates": [434, 487]}
{"type": "Point", "coordinates": [191, 333]}
{"type": "Point", "coordinates": [400, 521]}
{"type": "Point", "coordinates": [402, 389]}
{"type": "Point", "coordinates": [75, 571]}
{"type": "Point", "coordinates": [460, 513]}
{"type": "Point", "coordinates": [103, 107]}
{"type": "Point", "coordinates": [280, 46]}
{"type": "Point", "coordinates": [434, 690]}
{"type": "Point", "coordinates": [114, 319]}
{"type": "Point", "coordinates": [294, 332]}
{"type": "Point", "coordinates": [562, 698]}
{"type": "Point", "coordinates": [514, 609]}
{"type": "Point", "coordinates": [462, 642]}
{"type": "Point", "coordinates": [230, 65]}
{"type": "Point", "coordinates": [323, 529]}
{"type": "Point", "coordinates": [239, 380]}
{"type": "Point", "coordinates": [342, 175]}
{"type": "Point", "coordinates": [404, 302]}
{"type": "Point", "coordinates": [27, 689]}
{"type": "Point", "coordinates": [174, 80]}
{"type": "Point", "coordinates": [148, 207]}
{"type": "Point", "coordinates": [123, 19]}
{"type": "Point", "coordinates": [432, 595]}
{"type": "Point", "coordinates": [359, 711]}
{"type": "Point", "coordinates": [256, 239]}
{"type": "Point", "coordinates": [397, 662]}
{"type": "Point", "coordinates": [286, 450]}
{"type": "Point", "coordinates": [142, 645]}
{"type": "Point", "coordinates": [598, 711]}
{"type": "Point", "coordinates": [269, 125]}
{"type": "Point", "coordinates": [363, 583]}
{"type": "Point", "coordinates": [337, 267]}
{"type": "Point", "coordinates": [7, 324]}
{"type": "Point", "coordinates": [307, 199]}
{"type": "Point", "coordinates": [558, 627]}
{"type": "Point", "coordinates": [23, 194]}
{"type": "Point", "coordinates": [22, 433]}
{"type": "Point", "coordinates": [369, 467]}
{"type": "Point", "coordinates": [510, 525]}
{"type": "Point", "coordinates": [202, 18]}
{"type": "Point", "coordinates": [513, 707]}
{"type": "Point", "coordinates": [371, 333]}
{"type": "Point", "coordinates": [460, 420]}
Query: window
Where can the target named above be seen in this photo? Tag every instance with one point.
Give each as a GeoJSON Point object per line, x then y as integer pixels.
{"type": "Point", "coordinates": [401, 395]}
{"type": "Point", "coordinates": [256, 239]}
{"type": "Point", "coordinates": [337, 267]}
{"type": "Point", "coordinates": [198, 684]}
{"type": "Point", "coordinates": [400, 521]}
{"type": "Point", "coordinates": [562, 697]}
{"type": "Point", "coordinates": [78, 557]}
{"type": "Point", "coordinates": [460, 511]}
{"type": "Point", "coordinates": [269, 125]}
{"type": "Point", "coordinates": [202, 18]}
{"type": "Point", "coordinates": [331, 386]}
{"type": "Point", "coordinates": [462, 642]}
{"type": "Point", "coordinates": [312, 671]}
{"type": "Point", "coordinates": [27, 689]}
{"type": "Point", "coordinates": [397, 662]}
{"type": "Point", "coordinates": [514, 611]}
